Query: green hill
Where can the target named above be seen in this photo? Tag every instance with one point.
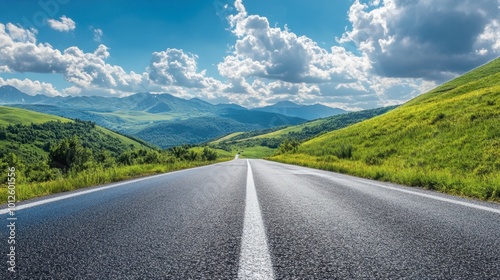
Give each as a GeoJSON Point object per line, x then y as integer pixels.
{"type": "Point", "coordinates": [447, 139]}
{"type": "Point", "coordinates": [29, 134]}
{"type": "Point", "coordinates": [10, 115]}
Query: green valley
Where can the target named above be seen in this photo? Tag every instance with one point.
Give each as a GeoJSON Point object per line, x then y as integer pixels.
{"type": "Point", "coordinates": [265, 143]}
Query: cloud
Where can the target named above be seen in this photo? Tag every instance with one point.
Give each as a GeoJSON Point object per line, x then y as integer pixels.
{"type": "Point", "coordinates": [19, 52]}
{"type": "Point", "coordinates": [174, 67]}
{"type": "Point", "coordinates": [489, 41]}
{"type": "Point", "coordinates": [421, 39]}
{"type": "Point", "coordinates": [64, 25]}
{"type": "Point", "coordinates": [172, 70]}
{"type": "Point", "coordinates": [98, 33]}
{"type": "Point", "coordinates": [262, 51]}
{"type": "Point", "coordinates": [271, 63]}
{"type": "Point", "coordinates": [31, 87]}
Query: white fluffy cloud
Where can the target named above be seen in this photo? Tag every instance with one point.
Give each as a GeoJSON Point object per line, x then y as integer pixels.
{"type": "Point", "coordinates": [272, 63]}
{"type": "Point", "coordinates": [65, 24]}
{"type": "Point", "coordinates": [172, 70]}
{"type": "Point", "coordinates": [434, 40]}
{"type": "Point", "coordinates": [489, 41]}
{"type": "Point", "coordinates": [262, 51]}
{"type": "Point", "coordinates": [174, 67]}
{"type": "Point", "coordinates": [401, 49]}
{"type": "Point", "coordinates": [30, 87]}
{"type": "Point", "coordinates": [19, 52]}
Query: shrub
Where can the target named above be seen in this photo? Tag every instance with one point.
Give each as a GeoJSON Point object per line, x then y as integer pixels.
{"type": "Point", "coordinates": [344, 151]}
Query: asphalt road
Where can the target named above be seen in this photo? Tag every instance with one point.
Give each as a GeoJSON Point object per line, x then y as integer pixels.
{"type": "Point", "coordinates": [253, 220]}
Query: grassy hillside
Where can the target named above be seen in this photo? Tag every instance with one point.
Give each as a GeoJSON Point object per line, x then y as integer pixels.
{"type": "Point", "coordinates": [447, 139]}
{"type": "Point", "coordinates": [29, 134]}
{"type": "Point", "coordinates": [10, 115]}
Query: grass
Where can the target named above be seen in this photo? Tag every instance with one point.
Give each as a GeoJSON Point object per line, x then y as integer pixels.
{"type": "Point", "coordinates": [256, 152]}
{"type": "Point", "coordinates": [227, 137]}
{"type": "Point", "coordinates": [220, 153]}
{"type": "Point", "coordinates": [124, 139]}
{"type": "Point", "coordinates": [20, 116]}
{"type": "Point", "coordinates": [284, 131]}
{"type": "Point", "coordinates": [96, 177]}
{"type": "Point", "coordinates": [447, 140]}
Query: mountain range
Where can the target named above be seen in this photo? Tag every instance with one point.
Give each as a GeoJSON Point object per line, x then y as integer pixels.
{"type": "Point", "coordinates": [163, 119]}
{"type": "Point", "coordinates": [308, 112]}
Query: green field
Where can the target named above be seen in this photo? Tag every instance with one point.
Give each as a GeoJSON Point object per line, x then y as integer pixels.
{"type": "Point", "coordinates": [225, 138]}
{"type": "Point", "coordinates": [447, 140]}
{"type": "Point", "coordinates": [10, 115]}
{"type": "Point", "coordinates": [256, 152]}
{"type": "Point", "coordinates": [124, 139]}
{"type": "Point", "coordinates": [286, 131]}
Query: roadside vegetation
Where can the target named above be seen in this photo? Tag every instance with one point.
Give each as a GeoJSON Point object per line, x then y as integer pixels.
{"type": "Point", "coordinates": [446, 140]}
{"type": "Point", "coordinates": [59, 155]}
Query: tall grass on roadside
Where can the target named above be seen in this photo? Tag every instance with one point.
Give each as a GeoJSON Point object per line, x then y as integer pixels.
{"type": "Point", "coordinates": [486, 187]}
{"type": "Point", "coordinates": [94, 177]}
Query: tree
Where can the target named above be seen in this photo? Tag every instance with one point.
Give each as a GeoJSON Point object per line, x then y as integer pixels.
{"type": "Point", "coordinates": [70, 154]}
{"type": "Point", "coordinates": [209, 154]}
{"type": "Point", "coordinates": [288, 146]}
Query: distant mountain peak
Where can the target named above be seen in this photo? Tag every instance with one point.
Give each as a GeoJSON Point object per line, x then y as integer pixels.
{"type": "Point", "coordinates": [286, 103]}
{"type": "Point", "coordinates": [10, 94]}
{"type": "Point", "coordinates": [8, 88]}
{"type": "Point", "coordinates": [309, 112]}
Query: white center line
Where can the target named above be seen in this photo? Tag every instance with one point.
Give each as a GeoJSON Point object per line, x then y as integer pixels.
{"type": "Point", "coordinates": [255, 261]}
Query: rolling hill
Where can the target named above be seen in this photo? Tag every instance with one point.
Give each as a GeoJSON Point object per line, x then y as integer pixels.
{"type": "Point", "coordinates": [30, 134]}
{"type": "Point", "coordinates": [447, 139]}
{"type": "Point", "coordinates": [14, 116]}
{"type": "Point", "coordinates": [151, 117]}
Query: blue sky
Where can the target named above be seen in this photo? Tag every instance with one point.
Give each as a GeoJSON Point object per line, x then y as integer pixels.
{"type": "Point", "coordinates": [351, 54]}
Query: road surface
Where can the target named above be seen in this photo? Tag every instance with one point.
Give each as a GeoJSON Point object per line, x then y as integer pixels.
{"type": "Point", "coordinates": [253, 219]}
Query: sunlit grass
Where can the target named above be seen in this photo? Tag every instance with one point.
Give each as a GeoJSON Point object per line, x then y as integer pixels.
{"type": "Point", "coordinates": [96, 177]}
{"type": "Point", "coordinates": [256, 152]}
{"type": "Point", "coordinates": [20, 116]}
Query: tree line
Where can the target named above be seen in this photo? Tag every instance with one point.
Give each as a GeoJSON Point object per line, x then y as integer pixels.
{"type": "Point", "coordinates": [44, 152]}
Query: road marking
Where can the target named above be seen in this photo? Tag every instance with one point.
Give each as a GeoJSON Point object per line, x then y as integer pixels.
{"type": "Point", "coordinates": [443, 199]}
{"type": "Point", "coordinates": [255, 261]}
{"type": "Point", "coordinates": [484, 208]}
{"type": "Point", "coordinates": [49, 200]}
